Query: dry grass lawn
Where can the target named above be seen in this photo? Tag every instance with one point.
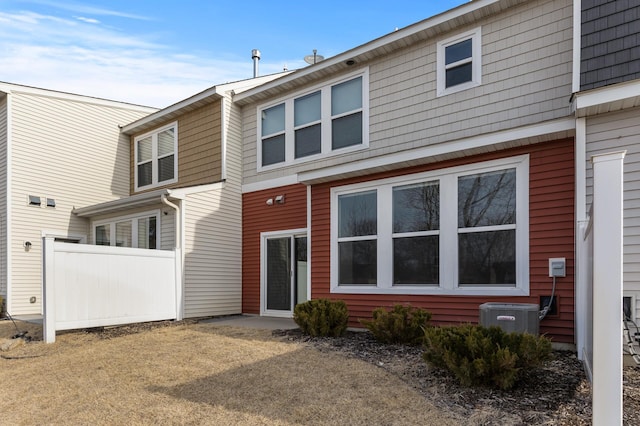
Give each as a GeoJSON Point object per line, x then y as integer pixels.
{"type": "Point", "coordinates": [197, 374]}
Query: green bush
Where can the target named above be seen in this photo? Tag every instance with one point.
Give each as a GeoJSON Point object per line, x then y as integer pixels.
{"type": "Point", "coordinates": [402, 324]}
{"type": "Point", "coordinates": [479, 355]}
{"type": "Point", "coordinates": [322, 317]}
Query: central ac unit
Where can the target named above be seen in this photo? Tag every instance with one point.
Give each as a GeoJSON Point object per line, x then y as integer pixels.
{"type": "Point", "coordinates": [511, 317]}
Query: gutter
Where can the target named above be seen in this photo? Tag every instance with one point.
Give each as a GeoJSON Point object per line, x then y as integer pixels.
{"type": "Point", "coordinates": [179, 258]}
{"type": "Point", "coordinates": [137, 200]}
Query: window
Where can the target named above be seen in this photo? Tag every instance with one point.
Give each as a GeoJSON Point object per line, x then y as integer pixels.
{"type": "Point", "coordinates": [459, 62]}
{"type": "Point", "coordinates": [462, 230]}
{"type": "Point", "coordinates": [140, 231]}
{"type": "Point", "coordinates": [156, 159]}
{"type": "Point", "coordinates": [326, 120]}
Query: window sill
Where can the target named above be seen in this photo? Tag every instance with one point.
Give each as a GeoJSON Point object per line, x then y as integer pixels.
{"type": "Point", "coordinates": [431, 290]}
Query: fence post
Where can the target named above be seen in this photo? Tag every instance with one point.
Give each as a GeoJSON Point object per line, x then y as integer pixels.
{"type": "Point", "coordinates": [607, 288]}
{"type": "Point", "coordinates": [48, 291]}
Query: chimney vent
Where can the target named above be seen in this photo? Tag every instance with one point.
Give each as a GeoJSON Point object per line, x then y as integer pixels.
{"type": "Point", "coordinates": [255, 55]}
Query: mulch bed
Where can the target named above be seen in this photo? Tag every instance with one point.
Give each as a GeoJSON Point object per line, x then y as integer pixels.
{"type": "Point", "coordinates": [558, 393]}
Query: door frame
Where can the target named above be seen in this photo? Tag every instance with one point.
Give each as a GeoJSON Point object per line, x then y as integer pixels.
{"type": "Point", "coordinates": [264, 236]}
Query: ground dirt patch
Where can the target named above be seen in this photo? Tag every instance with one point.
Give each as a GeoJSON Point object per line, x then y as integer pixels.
{"type": "Point", "coordinates": [199, 374]}
{"type": "Point", "coordinates": [189, 373]}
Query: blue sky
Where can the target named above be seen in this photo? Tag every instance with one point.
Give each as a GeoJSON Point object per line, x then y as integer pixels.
{"type": "Point", "coordinates": [159, 52]}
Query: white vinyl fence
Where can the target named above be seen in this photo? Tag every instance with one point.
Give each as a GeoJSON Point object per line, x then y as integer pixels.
{"type": "Point", "coordinates": [93, 286]}
{"type": "Point", "coordinates": [603, 252]}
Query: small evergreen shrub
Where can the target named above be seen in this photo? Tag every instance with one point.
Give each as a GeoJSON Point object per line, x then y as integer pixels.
{"type": "Point", "coordinates": [402, 324]}
{"type": "Point", "coordinates": [479, 355]}
{"type": "Point", "coordinates": [322, 317]}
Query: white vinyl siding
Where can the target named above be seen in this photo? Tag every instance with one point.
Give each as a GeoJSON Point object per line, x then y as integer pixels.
{"type": "Point", "coordinates": [526, 79]}
{"type": "Point", "coordinates": [3, 194]}
{"type": "Point", "coordinates": [69, 149]}
{"type": "Point", "coordinates": [616, 132]}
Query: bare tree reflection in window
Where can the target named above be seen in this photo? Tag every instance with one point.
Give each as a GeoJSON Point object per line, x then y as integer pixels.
{"type": "Point", "coordinates": [486, 200]}
{"type": "Point", "coordinates": [358, 217]}
{"type": "Point", "coordinates": [416, 256]}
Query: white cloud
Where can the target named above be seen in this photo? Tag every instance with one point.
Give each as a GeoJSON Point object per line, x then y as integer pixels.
{"type": "Point", "coordinates": [86, 9]}
{"type": "Point", "coordinates": [85, 57]}
{"type": "Point", "coordinates": [87, 20]}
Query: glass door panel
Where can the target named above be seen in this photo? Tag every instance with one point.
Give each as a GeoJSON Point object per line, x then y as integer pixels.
{"type": "Point", "coordinates": [278, 282]}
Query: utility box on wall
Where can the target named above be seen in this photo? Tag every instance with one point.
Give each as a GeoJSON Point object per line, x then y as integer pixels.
{"type": "Point", "coordinates": [511, 317]}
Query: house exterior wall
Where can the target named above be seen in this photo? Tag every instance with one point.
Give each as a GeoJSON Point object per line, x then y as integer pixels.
{"type": "Point", "coordinates": [68, 148]}
{"type": "Point", "coordinates": [616, 132]}
{"type": "Point", "coordinates": [551, 234]}
{"type": "Point", "coordinates": [199, 148]}
{"type": "Point", "coordinates": [3, 193]}
{"type": "Point", "coordinates": [526, 78]}
{"type": "Point", "coordinates": [609, 42]}
{"type": "Point", "coordinates": [258, 217]}
{"type": "Point", "coordinates": [212, 249]}
{"type": "Point", "coordinates": [213, 229]}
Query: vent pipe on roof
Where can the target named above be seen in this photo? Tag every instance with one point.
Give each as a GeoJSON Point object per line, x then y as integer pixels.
{"type": "Point", "coordinates": [255, 55]}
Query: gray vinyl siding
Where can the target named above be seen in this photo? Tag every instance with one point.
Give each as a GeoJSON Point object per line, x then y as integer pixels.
{"type": "Point", "coordinates": [68, 149]}
{"type": "Point", "coordinates": [213, 237]}
{"type": "Point", "coordinates": [616, 132]}
{"type": "Point", "coordinates": [3, 195]}
{"type": "Point", "coordinates": [526, 79]}
{"type": "Point", "coordinates": [610, 42]}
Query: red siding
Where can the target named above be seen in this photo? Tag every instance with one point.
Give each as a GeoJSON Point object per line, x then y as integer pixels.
{"type": "Point", "coordinates": [258, 217]}
{"type": "Point", "coordinates": [551, 234]}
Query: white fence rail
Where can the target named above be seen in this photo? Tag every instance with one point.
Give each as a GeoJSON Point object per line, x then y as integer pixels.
{"type": "Point", "coordinates": [93, 286]}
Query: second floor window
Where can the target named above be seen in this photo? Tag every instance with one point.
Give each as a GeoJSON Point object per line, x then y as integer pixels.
{"type": "Point", "coordinates": [155, 154]}
{"type": "Point", "coordinates": [459, 62]}
{"type": "Point", "coordinates": [327, 120]}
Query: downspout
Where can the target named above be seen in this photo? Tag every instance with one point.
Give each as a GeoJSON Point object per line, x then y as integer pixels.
{"type": "Point", "coordinates": [179, 260]}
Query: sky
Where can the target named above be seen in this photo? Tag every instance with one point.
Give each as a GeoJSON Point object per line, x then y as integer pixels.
{"type": "Point", "coordinates": [157, 52]}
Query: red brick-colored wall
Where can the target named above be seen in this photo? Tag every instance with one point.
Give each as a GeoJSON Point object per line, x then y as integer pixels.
{"type": "Point", "coordinates": [258, 217]}
{"type": "Point", "coordinates": [551, 234]}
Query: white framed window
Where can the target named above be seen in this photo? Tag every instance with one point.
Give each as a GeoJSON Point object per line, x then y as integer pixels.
{"type": "Point", "coordinates": [459, 62]}
{"type": "Point", "coordinates": [462, 230]}
{"type": "Point", "coordinates": [324, 120]}
{"type": "Point", "coordinates": [141, 230]}
{"type": "Point", "coordinates": [156, 157]}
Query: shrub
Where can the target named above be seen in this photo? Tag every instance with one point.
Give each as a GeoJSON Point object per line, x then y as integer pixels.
{"type": "Point", "coordinates": [402, 324]}
{"type": "Point", "coordinates": [322, 317]}
{"type": "Point", "coordinates": [479, 355]}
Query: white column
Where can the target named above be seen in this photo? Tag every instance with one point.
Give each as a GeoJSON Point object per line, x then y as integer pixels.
{"type": "Point", "coordinates": [48, 291]}
{"type": "Point", "coordinates": [607, 288]}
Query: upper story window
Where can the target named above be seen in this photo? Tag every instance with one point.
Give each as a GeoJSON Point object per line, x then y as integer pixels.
{"type": "Point", "coordinates": [459, 62]}
{"type": "Point", "coordinates": [462, 230]}
{"type": "Point", "coordinates": [156, 162]}
{"type": "Point", "coordinates": [325, 120]}
{"type": "Point", "coordinates": [139, 231]}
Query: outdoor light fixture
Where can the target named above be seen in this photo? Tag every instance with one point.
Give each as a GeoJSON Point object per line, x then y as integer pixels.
{"type": "Point", "coordinates": [27, 245]}
{"type": "Point", "coordinates": [270, 202]}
